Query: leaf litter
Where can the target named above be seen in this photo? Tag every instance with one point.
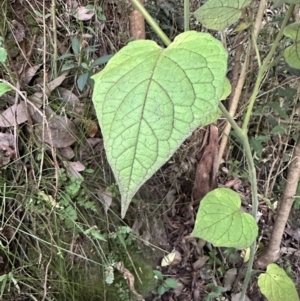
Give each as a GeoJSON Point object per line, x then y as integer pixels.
{"type": "Point", "coordinates": [172, 222]}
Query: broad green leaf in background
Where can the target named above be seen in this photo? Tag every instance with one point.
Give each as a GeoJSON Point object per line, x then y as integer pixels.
{"type": "Point", "coordinates": [292, 53]}
{"type": "Point", "coordinates": [276, 285]}
{"type": "Point", "coordinates": [3, 55]}
{"type": "Point", "coordinates": [4, 88]}
{"type": "Point", "coordinates": [220, 221]}
{"type": "Point", "coordinates": [280, 2]}
{"type": "Point", "coordinates": [219, 14]}
{"type": "Point", "coordinates": [149, 100]}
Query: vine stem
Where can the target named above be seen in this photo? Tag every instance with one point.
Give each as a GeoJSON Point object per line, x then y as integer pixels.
{"type": "Point", "coordinates": [242, 135]}
{"type": "Point", "coordinates": [265, 67]}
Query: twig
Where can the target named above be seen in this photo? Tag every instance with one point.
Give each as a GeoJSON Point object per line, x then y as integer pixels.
{"type": "Point", "coordinates": [54, 57]}
{"type": "Point", "coordinates": [272, 252]}
{"type": "Point", "coordinates": [238, 90]}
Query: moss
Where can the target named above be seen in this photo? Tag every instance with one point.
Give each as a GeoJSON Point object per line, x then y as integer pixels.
{"type": "Point", "coordinates": [146, 274]}
{"type": "Point", "coordinates": [32, 24]}
{"type": "Point", "coordinates": [12, 48]}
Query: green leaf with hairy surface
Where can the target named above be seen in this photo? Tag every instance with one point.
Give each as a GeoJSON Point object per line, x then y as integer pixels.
{"type": "Point", "coordinates": [219, 14]}
{"type": "Point", "coordinates": [226, 89]}
{"type": "Point", "coordinates": [280, 2]}
{"type": "Point", "coordinates": [292, 53]}
{"type": "Point", "coordinates": [220, 221]}
{"type": "Point", "coordinates": [4, 88]}
{"type": "Point", "coordinates": [149, 100]}
{"type": "Point", "coordinates": [276, 285]}
{"type": "Point", "coordinates": [3, 55]}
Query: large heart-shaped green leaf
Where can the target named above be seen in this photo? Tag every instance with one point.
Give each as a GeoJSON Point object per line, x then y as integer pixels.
{"type": "Point", "coordinates": [220, 221]}
{"type": "Point", "coordinates": [219, 14]}
{"type": "Point", "coordinates": [149, 100]}
{"type": "Point", "coordinates": [292, 53]}
{"type": "Point", "coordinates": [276, 285]}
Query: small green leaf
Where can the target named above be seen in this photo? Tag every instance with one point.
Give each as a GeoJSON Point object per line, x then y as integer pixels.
{"type": "Point", "coordinates": [158, 275]}
{"type": "Point", "coordinates": [3, 55]}
{"type": "Point", "coordinates": [170, 283]}
{"type": "Point", "coordinates": [220, 221]}
{"type": "Point", "coordinates": [292, 53]}
{"type": "Point", "coordinates": [68, 65]}
{"type": "Point", "coordinates": [219, 14]}
{"type": "Point", "coordinates": [226, 89]}
{"type": "Point", "coordinates": [4, 88]}
{"type": "Point", "coordinates": [279, 129]}
{"type": "Point", "coordinates": [162, 289]}
{"type": "Point", "coordinates": [82, 79]}
{"type": "Point", "coordinates": [149, 100]}
{"type": "Point", "coordinates": [76, 46]}
{"type": "Point", "coordinates": [65, 56]}
{"type": "Point", "coordinates": [102, 60]}
{"type": "Point", "coordinates": [97, 235]}
{"type": "Point", "coordinates": [276, 285]}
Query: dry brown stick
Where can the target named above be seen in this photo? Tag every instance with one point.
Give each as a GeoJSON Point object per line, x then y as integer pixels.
{"type": "Point", "coordinates": [137, 24]}
{"type": "Point", "coordinates": [233, 107]}
{"type": "Point", "coordinates": [238, 90]}
{"type": "Point", "coordinates": [272, 252]}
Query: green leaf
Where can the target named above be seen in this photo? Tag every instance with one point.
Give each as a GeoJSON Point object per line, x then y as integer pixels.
{"type": "Point", "coordinates": [68, 65]}
{"type": "Point", "coordinates": [102, 60]}
{"type": "Point", "coordinates": [279, 129]}
{"type": "Point", "coordinates": [220, 221]}
{"type": "Point", "coordinates": [158, 275]}
{"type": "Point", "coordinates": [4, 88]}
{"type": "Point", "coordinates": [226, 89]}
{"type": "Point", "coordinates": [292, 53]}
{"type": "Point", "coordinates": [82, 79]}
{"type": "Point", "coordinates": [149, 100]}
{"type": "Point", "coordinates": [3, 55]}
{"type": "Point", "coordinates": [162, 289]}
{"type": "Point", "coordinates": [219, 14]}
{"type": "Point", "coordinates": [65, 56]}
{"type": "Point", "coordinates": [170, 283]}
{"type": "Point", "coordinates": [280, 2]}
{"type": "Point", "coordinates": [76, 46]}
{"type": "Point", "coordinates": [276, 285]}
{"type": "Point", "coordinates": [97, 235]}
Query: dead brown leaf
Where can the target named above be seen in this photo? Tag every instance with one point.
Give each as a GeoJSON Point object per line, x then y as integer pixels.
{"type": "Point", "coordinates": [205, 179]}
{"type": "Point", "coordinates": [74, 168]}
{"type": "Point", "coordinates": [83, 13]}
{"type": "Point", "coordinates": [29, 73]}
{"type": "Point", "coordinates": [106, 197]}
{"type": "Point", "coordinates": [71, 101]}
{"type": "Point", "coordinates": [67, 152]}
{"type": "Point", "coordinates": [12, 116]}
{"type": "Point", "coordinates": [60, 131]}
{"type": "Point", "coordinates": [199, 263]}
{"type": "Point", "coordinates": [6, 148]}
{"type": "Point", "coordinates": [229, 278]}
{"type": "Point", "coordinates": [57, 81]}
{"type": "Point", "coordinates": [91, 127]}
{"type": "Point", "coordinates": [130, 280]}
{"type": "Point", "coordinates": [18, 31]}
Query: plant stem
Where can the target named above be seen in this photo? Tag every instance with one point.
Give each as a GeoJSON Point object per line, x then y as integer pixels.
{"type": "Point", "coordinates": [242, 135]}
{"type": "Point", "coordinates": [186, 15]}
{"type": "Point", "coordinates": [151, 22]}
{"type": "Point", "coordinates": [265, 67]}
